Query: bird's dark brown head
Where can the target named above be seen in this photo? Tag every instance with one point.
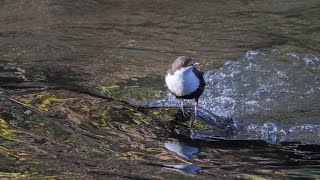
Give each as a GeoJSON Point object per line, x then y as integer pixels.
{"type": "Point", "coordinates": [182, 61]}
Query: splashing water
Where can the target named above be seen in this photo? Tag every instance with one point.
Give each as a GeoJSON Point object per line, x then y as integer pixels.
{"type": "Point", "coordinates": [279, 92]}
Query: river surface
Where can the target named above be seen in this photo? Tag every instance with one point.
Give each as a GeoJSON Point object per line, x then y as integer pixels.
{"type": "Point", "coordinates": [83, 95]}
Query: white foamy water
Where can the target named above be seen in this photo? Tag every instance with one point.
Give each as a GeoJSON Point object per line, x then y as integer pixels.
{"type": "Point", "coordinates": [265, 85]}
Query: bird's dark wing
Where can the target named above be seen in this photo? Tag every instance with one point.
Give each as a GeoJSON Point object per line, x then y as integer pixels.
{"type": "Point", "coordinates": [200, 76]}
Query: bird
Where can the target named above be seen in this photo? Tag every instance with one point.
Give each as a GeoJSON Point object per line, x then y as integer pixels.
{"type": "Point", "coordinates": [184, 81]}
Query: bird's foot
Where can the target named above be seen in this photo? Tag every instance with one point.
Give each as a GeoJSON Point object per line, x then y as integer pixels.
{"type": "Point", "coordinates": [192, 119]}
{"type": "Point", "coordinates": [191, 123]}
{"type": "Point", "coordinates": [192, 133]}
{"type": "Point", "coordinates": [185, 114]}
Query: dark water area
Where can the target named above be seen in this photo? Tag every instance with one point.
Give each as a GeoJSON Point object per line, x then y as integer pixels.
{"type": "Point", "coordinates": [82, 92]}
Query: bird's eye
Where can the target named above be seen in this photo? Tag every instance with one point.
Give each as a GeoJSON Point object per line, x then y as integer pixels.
{"type": "Point", "coordinates": [189, 63]}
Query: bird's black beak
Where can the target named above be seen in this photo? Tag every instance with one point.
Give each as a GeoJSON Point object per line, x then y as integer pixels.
{"type": "Point", "coordinates": [196, 64]}
{"type": "Point", "coordinates": [193, 64]}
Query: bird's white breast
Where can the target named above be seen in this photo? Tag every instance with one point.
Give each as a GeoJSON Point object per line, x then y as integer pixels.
{"type": "Point", "coordinates": [182, 82]}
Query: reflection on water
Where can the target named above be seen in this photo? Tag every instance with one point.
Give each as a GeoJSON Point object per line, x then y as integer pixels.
{"type": "Point", "coordinates": [263, 160]}
{"type": "Point", "coordinates": [184, 168]}
{"type": "Point", "coordinates": [184, 150]}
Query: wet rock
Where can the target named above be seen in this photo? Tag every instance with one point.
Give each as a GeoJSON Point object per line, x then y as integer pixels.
{"type": "Point", "coordinates": [11, 74]}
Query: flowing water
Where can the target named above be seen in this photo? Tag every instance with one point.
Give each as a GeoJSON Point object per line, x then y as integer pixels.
{"type": "Point", "coordinates": [83, 96]}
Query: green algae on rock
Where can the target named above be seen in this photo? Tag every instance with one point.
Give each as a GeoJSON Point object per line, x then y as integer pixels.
{"type": "Point", "coordinates": [72, 126]}
{"type": "Point", "coordinates": [132, 94]}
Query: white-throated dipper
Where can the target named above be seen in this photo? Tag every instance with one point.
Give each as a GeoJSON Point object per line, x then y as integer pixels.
{"type": "Point", "coordinates": [184, 81]}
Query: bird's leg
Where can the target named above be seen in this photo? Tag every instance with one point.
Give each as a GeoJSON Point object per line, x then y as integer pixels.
{"type": "Point", "coordinates": [196, 108]}
{"type": "Point", "coordinates": [182, 108]}
{"type": "Point", "coordinates": [195, 112]}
